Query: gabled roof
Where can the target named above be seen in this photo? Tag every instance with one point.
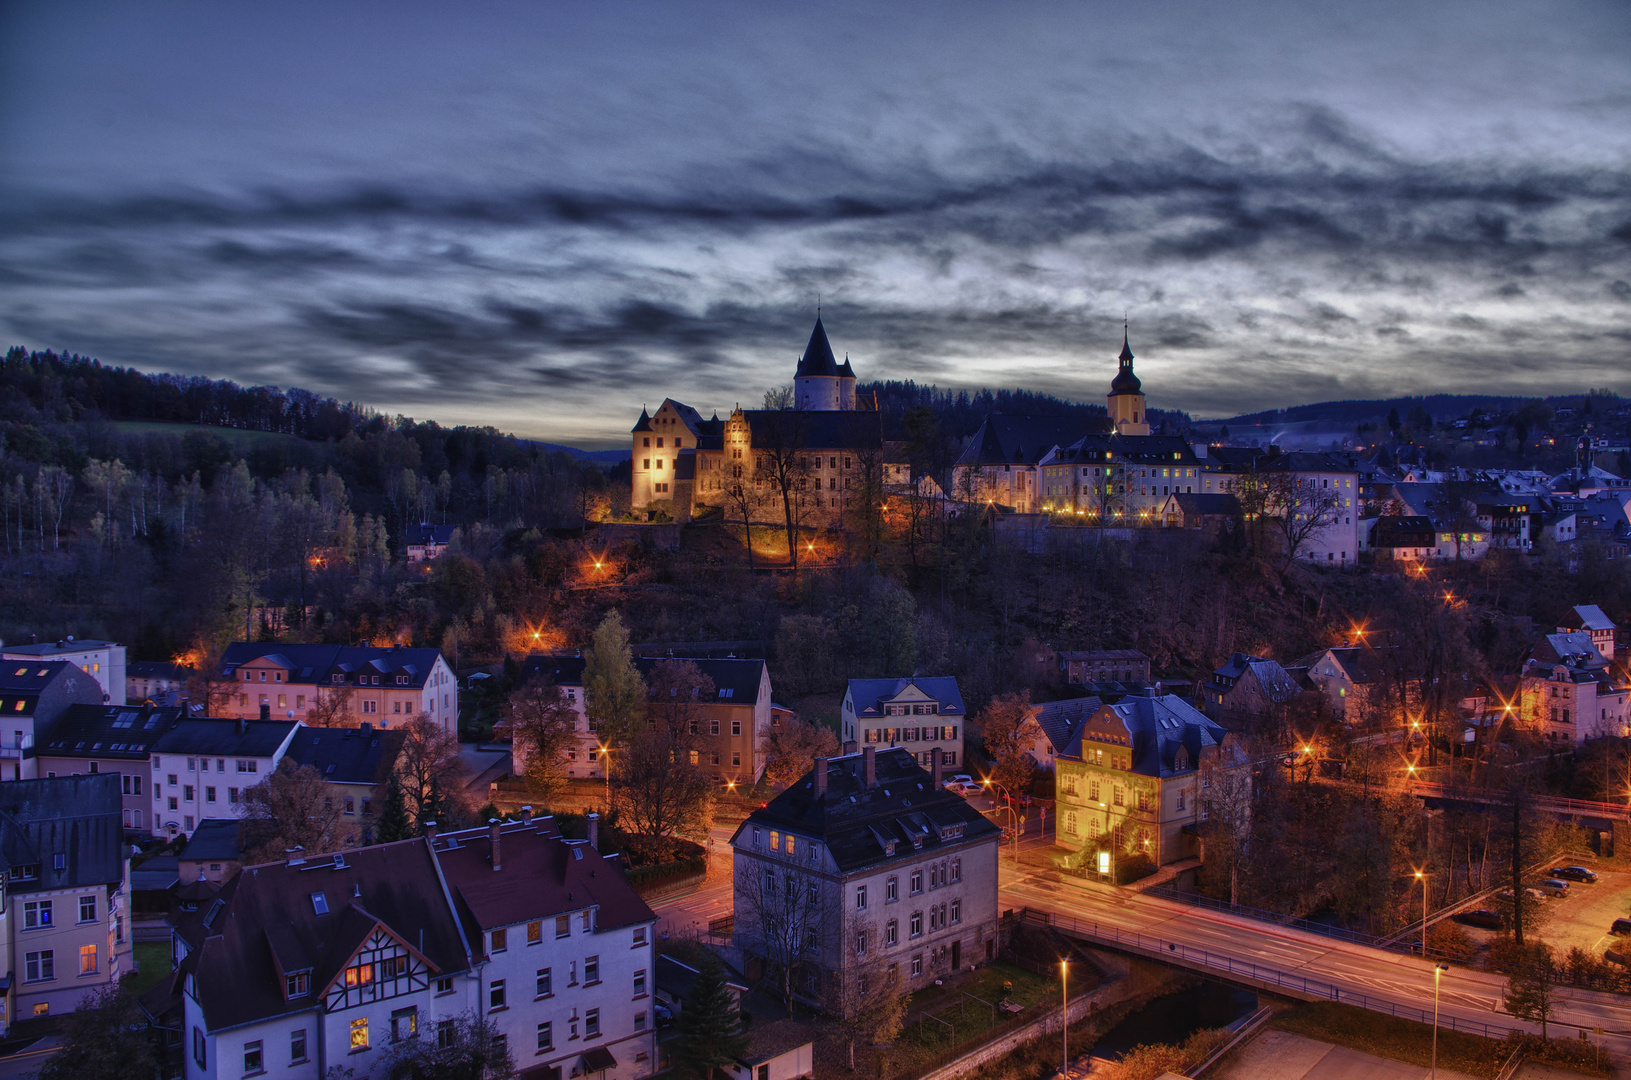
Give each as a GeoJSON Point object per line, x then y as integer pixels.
{"type": "Point", "coordinates": [268, 913]}
{"type": "Point", "coordinates": [1153, 449]}
{"type": "Point", "coordinates": [425, 533]}
{"type": "Point", "coordinates": [766, 1042]}
{"type": "Point", "coordinates": [1208, 504]}
{"type": "Point", "coordinates": [1360, 665]}
{"type": "Point", "coordinates": [114, 732]}
{"type": "Point", "coordinates": [1588, 617]}
{"type": "Point", "coordinates": [1025, 440]}
{"type": "Point", "coordinates": [1089, 655]}
{"type": "Point", "coordinates": [1276, 683]}
{"type": "Point", "coordinates": [320, 663]}
{"type": "Point", "coordinates": [1575, 649]}
{"type": "Point", "coordinates": [868, 695]}
{"type": "Point", "coordinates": [541, 876]}
{"type": "Point", "coordinates": [228, 738]}
{"type": "Point", "coordinates": [31, 676]}
{"type": "Point", "coordinates": [904, 808]}
{"type": "Point", "coordinates": [1156, 728]}
{"type": "Point", "coordinates": [157, 669]}
{"type": "Point", "coordinates": [736, 682]}
{"type": "Point", "coordinates": [818, 358]}
{"type": "Point", "coordinates": [644, 423]}
{"type": "Point", "coordinates": [1060, 719]}
{"type": "Point", "coordinates": [360, 755]}
{"type": "Point", "coordinates": [215, 839]}
{"type": "Point", "coordinates": [77, 817]}
{"type": "Point", "coordinates": [675, 978]}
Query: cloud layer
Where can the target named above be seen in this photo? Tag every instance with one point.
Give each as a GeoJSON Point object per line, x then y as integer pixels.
{"type": "Point", "coordinates": [548, 253]}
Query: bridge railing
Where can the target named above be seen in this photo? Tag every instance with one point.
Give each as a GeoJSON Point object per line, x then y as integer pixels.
{"type": "Point", "coordinates": [1245, 971]}
{"type": "Point", "coordinates": [1340, 933]}
{"type": "Point", "coordinates": [1540, 802]}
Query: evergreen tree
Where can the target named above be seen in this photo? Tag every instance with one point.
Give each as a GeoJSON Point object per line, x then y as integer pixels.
{"type": "Point", "coordinates": [434, 808]}
{"type": "Point", "coordinates": [393, 815]}
{"type": "Point", "coordinates": [614, 694]}
{"type": "Point", "coordinates": [710, 1033]}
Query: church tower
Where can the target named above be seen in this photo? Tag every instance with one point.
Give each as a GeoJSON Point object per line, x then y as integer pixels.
{"type": "Point", "coordinates": [1126, 398]}
{"type": "Point", "coordinates": [818, 383]}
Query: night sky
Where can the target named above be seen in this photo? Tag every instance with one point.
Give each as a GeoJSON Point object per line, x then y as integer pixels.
{"type": "Point", "coordinates": [542, 216]}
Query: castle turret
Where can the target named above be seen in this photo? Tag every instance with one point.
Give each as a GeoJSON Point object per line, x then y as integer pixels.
{"type": "Point", "coordinates": [1126, 398]}
{"type": "Point", "coordinates": [846, 386]}
{"type": "Point", "coordinates": [816, 384]}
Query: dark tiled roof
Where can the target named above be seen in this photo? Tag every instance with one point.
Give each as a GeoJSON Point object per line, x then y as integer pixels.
{"type": "Point", "coordinates": [1089, 655]}
{"type": "Point", "coordinates": [740, 677]}
{"type": "Point", "coordinates": [1143, 449]}
{"type": "Point", "coordinates": [269, 910]}
{"type": "Point", "coordinates": [1406, 531]}
{"type": "Point", "coordinates": [319, 663]}
{"type": "Point", "coordinates": [1156, 728]}
{"type": "Point", "coordinates": [1575, 649]}
{"type": "Point", "coordinates": [855, 821]}
{"type": "Point", "coordinates": [424, 533]}
{"type": "Point", "coordinates": [868, 695]}
{"type": "Point", "coordinates": [157, 669]}
{"type": "Point", "coordinates": [772, 1040]}
{"type": "Point", "coordinates": [31, 676]}
{"type": "Point", "coordinates": [215, 839]}
{"type": "Point", "coordinates": [240, 738]}
{"type": "Point", "coordinates": [644, 423]}
{"type": "Point", "coordinates": [1023, 440]}
{"type": "Point", "coordinates": [1362, 665]}
{"type": "Point", "coordinates": [542, 876]}
{"type": "Point", "coordinates": [1588, 617]}
{"type": "Point", "coordinates": [1059, 719]}
{"type": "Point", "coordinates": [813, 429]}
{"type": "Point", "coordinates": [1225, 505]}
{"type": "Point", "coordinates": [675, 978]}
{"type": "Point", "coordinates": [347, 755]}
{"type": "Point", "coordinates": [106, 731]}
{"type": "Point", "coordinates": [73, 816]}
{"type": "Point", "coordinates": [52, 648]}
{"type": "Point", "coordinates": [818, 358]}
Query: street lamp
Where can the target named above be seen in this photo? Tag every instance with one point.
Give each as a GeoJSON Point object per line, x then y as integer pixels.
{"type": "Point", "coordinates": [1014, 814]}
{"type": "Point", "coordinates": [1438, 971]}
{"type": "Point", "coordinates": [1423, 878]}
{"type": "Point", "coordinates": [606, 767]}
{"type": "Point", "coordinates": [1064, 1016]}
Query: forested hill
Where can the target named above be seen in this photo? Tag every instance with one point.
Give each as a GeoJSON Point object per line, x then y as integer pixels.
{"type": "Point", "coordinates": [1440, 407]}
{"type": "Point", "coordinates": [959, 413]}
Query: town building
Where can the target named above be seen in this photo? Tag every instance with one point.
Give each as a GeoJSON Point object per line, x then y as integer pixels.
{"type": "Point", "coordinates": [1248, 688]}
{"type": "Point", "coordinates": [564, 949]}
{"type": "Point", "coordinates": [1052, 724]}
{"type": "Point", "coordinates": [732, 727]}
{"type": "Point", "coordinates": [1216, 517]}
{"type": "Point", "coordinates": [829, 447]}
{"type": "Point", "coordinates": [1083, 666]}
{"type": "Point", "coordinates": [214, 852]}
{"type": "Point", "coordinates": [1134, 781]}
{"type": "Point", "coordinates": [923, 714]}
{"type": "Point", "coordinates": [115, 739]}
{"type": "Point", "coordinates": [336, 685]}
{"type": "Point", "coordinates": [357, 765]}
{"type": "Point", "coordinates": [64, 918]}
{"type": "Point", "coordinates": [158, 682]}
{"type": "Point", "coordinates": [33, 693]}
{"type": "Point", "coordinates": [865, 869]}
{"type": "Point", "coordinates": [778, 1050]}
{"type": "Point", "coordinates": [424, 542]}
{"type": "Point", "coordinates": [1568, 694]}
{"type": "Point", "coordinates": [202, 766]}
{"type": "Point", "coordinates": [1590, 619]}
{"type": "Point", "coordinates": [103, 661]}
{"type": "Point", "coordinates": [1362, 685]}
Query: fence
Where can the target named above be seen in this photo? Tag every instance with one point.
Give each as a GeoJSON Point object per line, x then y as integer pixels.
{"type": "Point", "coordinates": [1256, 975]}
{"type": "Point", "coordinates": [1340, 933]}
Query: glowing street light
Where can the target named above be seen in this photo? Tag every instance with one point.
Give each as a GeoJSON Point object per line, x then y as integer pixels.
{"type": "Point", "coordinates": [1064, 1017]}
{"type": "Point", "coordinates": [1438, 971]}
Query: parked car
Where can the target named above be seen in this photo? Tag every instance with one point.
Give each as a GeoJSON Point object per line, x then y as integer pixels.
{"type": "Point", "coordinates": [964, 788]}
{"type": "Point", "coordinates": [961, 777]}
{"type": "Point", "coordinates": [1621, 926]}
{"type": "Point", "coordinates": [1528, 893]}
{"type": "Point", "coordinates": [1553, 886]}
{"type": "Point", "coordinates": [1483, 917]}
{"type": "Point", "coordinates": [1573, 873]}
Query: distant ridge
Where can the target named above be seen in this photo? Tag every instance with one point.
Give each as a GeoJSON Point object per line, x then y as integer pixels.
{"type": "Point", "coordinates": [599, 457]}
{"type": "Point", "coordinates": [1438, 406]}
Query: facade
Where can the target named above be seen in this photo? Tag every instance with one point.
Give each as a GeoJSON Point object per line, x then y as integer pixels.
{"type": "Point", "coordinates": [214, 852]}
{"type": "Point", "coordinates": [564, 949]}
{"type": "Point", "coordinates": [109, 739]}
{"type": "Point", "coordinates": [1118, 479]}
{"type": "Point", "coordinates": [831, 441]}
{"type": "Point", "coordinates": [1133, 780]}
{"type": "Point", "coordinates": [357, 764]}
{"type": "Point", "coordinates": [875, 868]}
{"type": "Point", "coordinates": [1590, 619]}
{"type": "Point", "coordinates": [33, 693]}
{"type": "Point", "coordinates": [201, 766]}
{"type": "Point", "coordinates": [374, 685]}
{"type": "Point", "coordinates": [923, 714]}
{"type": "Point", "coordinates": [1083, 666]}
{"type": "Point", "coordinates": [103, 661]}
{"type": "Point", "coordinates": [1214, 515]}
{"type": "Point", "coordinates": [64, 923]}
{"type": "Point", "coordinates": [1360, 684]}
{"type": "Point", "coordinates": [1248, 687]}
{"type": "Point", "coordinates": [732, 728]}
{"type": "Point", "coordinates": [1568, 694]}
{"type": "Point", "coordinates": [155, 681]}
{"type": "Point", "coordinates": [425, 542]}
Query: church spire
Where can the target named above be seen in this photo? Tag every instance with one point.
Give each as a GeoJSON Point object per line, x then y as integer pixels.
{"type": "Point", "coordinates": [1126, 356]}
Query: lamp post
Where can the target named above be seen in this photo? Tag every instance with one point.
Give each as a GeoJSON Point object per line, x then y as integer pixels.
{"type": "Point", "coordinates": [1014, 814]}
{"type": "Point", "coordinates": [1438, 971]}
{"type": "Point", "coordinates": [1064, 1016]}
{"type": "Point", "coordinates": [1423, 876]}
{"type": "Point", "coordinates": [606, 767]}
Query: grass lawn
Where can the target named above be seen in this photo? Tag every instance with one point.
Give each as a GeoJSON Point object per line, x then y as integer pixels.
{"type": "Point", "coordinates": [1391, 1037]}
{"type": "Point", "coordinates": [152, 962]}
{"type": "Point", "coordinates": [962, 1021]}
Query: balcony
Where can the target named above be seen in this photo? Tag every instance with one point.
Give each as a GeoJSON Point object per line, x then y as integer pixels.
{"type": "Point", "coordinates": [17, 749]}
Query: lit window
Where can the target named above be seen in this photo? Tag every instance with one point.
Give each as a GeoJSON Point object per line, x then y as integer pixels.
{"type": "Point", "coordinates": [359, 1033]}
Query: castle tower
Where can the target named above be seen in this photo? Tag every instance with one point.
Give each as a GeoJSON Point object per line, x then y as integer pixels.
{"type": "Point", "coordinates": [1126, 398]}
{"type": "Point", "coordinates": [846, 386]}
{"type": "Point", "coordinates": [817, 385]}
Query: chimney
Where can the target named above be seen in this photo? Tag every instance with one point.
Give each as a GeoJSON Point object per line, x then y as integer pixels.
{"type": "Point", "coordinates": [266, 711]}
{"type": "Point", "coordinates": [869, 767]}
{"type": "Point", "coordinates": [365, 729]}
{"type": "Point", "coordinates": [821, 777]}
{"type": "Point", "coordinates": [934, 765]}
{"type": "Point", "coordinates": [243, 726]}
{"type": "Point", "coordinates": [430, 830]}
{"type": "Point", "coordinates": [492, 832]}
{"type": "Point", "coordinates": [850, 748]}
{"type": "Point", "coordinates": [526, 813]}
{"type": "Point", "coordinates": [594, 830]}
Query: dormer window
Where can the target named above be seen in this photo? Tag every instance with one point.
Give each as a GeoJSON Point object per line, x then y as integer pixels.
{"type": "Point", "coordinates": [297, 985]}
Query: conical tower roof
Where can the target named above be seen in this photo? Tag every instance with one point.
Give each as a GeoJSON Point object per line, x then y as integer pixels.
{"type": "Point", "coordinates": [818, 359]}
{"type": "Point", "coordinates": [644, 423]}
{"type": "Point", "coordinates": [1125, 381]}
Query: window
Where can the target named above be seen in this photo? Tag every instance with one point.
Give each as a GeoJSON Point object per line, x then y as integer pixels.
{"type": "Point", "coordinates": [249, 766]}
{"type": "Point", "coordinates": [198, 1047]}
{"type": "Point", "coordinates": [209, 794]}
{"type": "Point", "coordinates": [563, 926]}
{"type": "Point", "coordinates": [535, 932]}
{"type": "Point", "coordinates": [917, 965]}
{"type": "Point", "coordinates": [253, 1059]}
{"type": "Point", "coordinates": [36, 914]}
{"type": "Point", "coordinates": [591, 971]}
{"type": "Point", "coordinates": [917, 882]}
{"type": "Point", "coordinates": [87, 959]}
{"type": "Point", "coordinates": [586, 925]}
{"type": "Point", "coordinates": [350, 805]}
{"type": "Point", "coordinates": [639, 1021]}
{"type": "Point", "coordinates": [891, 932]}
{"type": "Point", "coordinates": [187, 792]}
{"type": "Point", "coordinates": [917, 924]}
{"type": "Point", "coordinates": [591, 1024]}
{"type": "Point", "coordinates": [40, 966]}
{"type": "Point", "coordinates": [359, 975]}
{"type": "Point", "coordinates": [495, 994]}
{"type": "Point", "coordinates": [445, 1034]}
{"type": "Point", "coordinates": [297, 1046]}
{"type": "Point", "coordinates": [87, 909]}
{"type": "Point", "coordinates": [957, 911]}
{"type": "Point", "coordinates": [544, 982]}
{"type": "Point", "coordinates": [860, 898]}
{"type": "Point", "coordinates": [891, 890]}
{"type": "Point", "coordinates": [359, 1034]}
{"type": "Point", "coordinates": [501, 940]}
{"type": "Point", "coordinates": [298, 984]}
{"type": "Point", "coordinates": [1180, 800]}
{"type": "Point", "coordinates": [404, 1024]}
{"type": "Point", "coordinates": [640, 983]}
{"type": "Point", "coordinates": [736, 727]}
{"type": "Point", "coordinates": [860, 943]}
{"type": "Point", "coordinates": [639, 936]}
{"type": "Point", "coordinates": [444, 985]}
{"type": "Point", "coordinates": [546, 1036]}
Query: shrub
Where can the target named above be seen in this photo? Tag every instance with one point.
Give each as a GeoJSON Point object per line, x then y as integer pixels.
{"type": "Point", "coordinates": [1131, 868]}
{"type": "Point", "coordinates": [1149, 1062]}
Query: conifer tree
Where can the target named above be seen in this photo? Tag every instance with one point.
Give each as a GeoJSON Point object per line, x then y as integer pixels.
{"type": "Point", "coordinates": [434, 808]}
{"type": "Point", "coordinates": [393, 815]}
{"type": "Point", "coordinates": [614, 694]}
{"type": "Point", "coordinates": [710, 1027]}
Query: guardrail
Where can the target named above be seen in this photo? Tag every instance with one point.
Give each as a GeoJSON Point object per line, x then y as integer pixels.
{"type": "Point", "coordinates": [1258, 975]}
{"type": "Point", "coordinates": [1539, 802]}
{"type": "Point", "coordinates": [1169, 892]}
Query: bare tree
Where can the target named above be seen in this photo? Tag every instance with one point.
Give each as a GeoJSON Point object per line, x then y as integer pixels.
{"type": "Point", "coordinates": [786, 468]}
{"type": "Point", "coordinates": [1225, 811]}
{"type": "Point", "coordinates": [543, 725]}
{"type": "Point", "coordinates": [792, 749]}
{"type": "Point", "coordinates": [779, 398]}
{"type": "Point", "coordinates": [429, 760]}
{"type": "Point", "coordinates": [293, 807]}
{"type": "Point", "coordinates": [678, 696]}
{"type": "Point", "coordinates": [1298, 510]}
{"type": "Point", "coordinates": [744, 499]}
{"type": "Point", "coordinates": [658, 788]}
{"type": "Point", "coordinates": [872, 1007]}
{"type": "Point", "coordinates": [330, 707]}
{"type": "Point", "coordinates": [865, 498]}
{"type": "Point", "coordinates": [778, 915]}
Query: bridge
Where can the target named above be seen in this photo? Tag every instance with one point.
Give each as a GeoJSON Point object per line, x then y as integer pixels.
{"type": "Point", "coordinates": [1576, 808]}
